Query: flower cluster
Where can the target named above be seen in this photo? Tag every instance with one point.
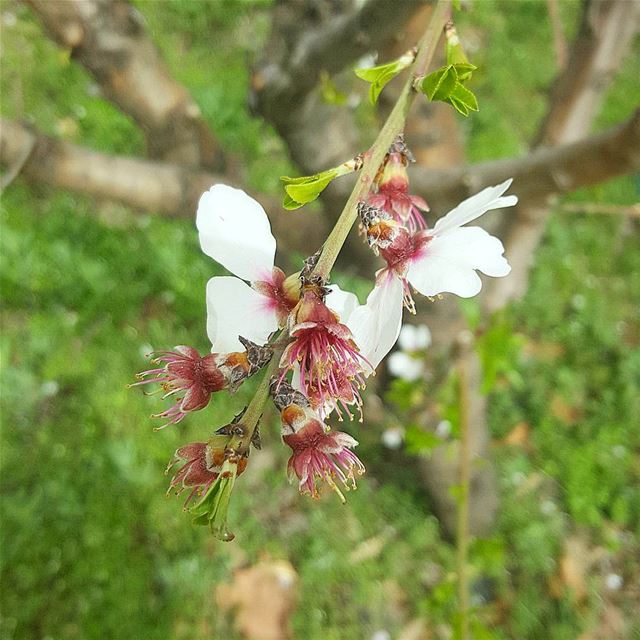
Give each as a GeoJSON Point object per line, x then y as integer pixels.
{"type": "Point", "coordinates": [431, 261]}
{"type": "Point", "coordinates": [317, 342]}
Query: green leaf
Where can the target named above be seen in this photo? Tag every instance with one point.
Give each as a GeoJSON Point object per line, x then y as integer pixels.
{"type": "Point", "coordinates": [439, 84]}
{"type": "Point", "coordinates": [382, 74]}
{"type": "Point", "coordinates": [454, 51]}
{"type": "Point", "coordinates": [370, 74]}
{"type": "Point", "coordinates": [378, 77]}
{"type": "Point", "coordinates": [289, 203]}
{"type": "Point", "coordinates": [460, 107]}
{"type": "Point", "coordinates": [302, 190]}
{"type": "Point", "coordinates": [464, 70]}
{"type": "Point", "coordinates": [462, 95]}
{"type": "Point", "coordinates": [213, 508]}
{"type": "Point", "coordinates": [445, 84]}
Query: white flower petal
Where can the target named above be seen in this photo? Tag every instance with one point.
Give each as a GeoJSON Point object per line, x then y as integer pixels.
{"type": "Point", "coordinates": [414, 337]}
{"type": "Point", "coordinates": [235, 231]}
{"type": "Point", "coordinates": [402, 365]}
{"type": "Point", "coordinates": [235, 309]}
{"type": "Point", "coordinates": [376, 324]}
{"type": "Point", "coordinates": [475, 206]}
{"type": "Point", "coordinates": [448, 263]}
{"type": "Point", "coordinates": [341, 302]}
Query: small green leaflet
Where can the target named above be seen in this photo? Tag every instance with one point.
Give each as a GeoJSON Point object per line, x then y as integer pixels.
{"type": "Point", "coordinates": [439, 84]}
{"type": "Point", "coordinates": [445, 85]}
{"type": "Point", "coordinates": [382, 74]}
{"type": "Point", "coordinates": [213, 507]}
{"type": "Point", "coordinates": [305, 189]}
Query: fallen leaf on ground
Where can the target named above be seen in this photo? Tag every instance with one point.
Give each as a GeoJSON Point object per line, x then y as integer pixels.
{"type": "Point", "coordinates": [416, 630]}
{"type": "Point", "coordinates": [518, 436]}
{"type": "Point", "coordinates": [263, 598]}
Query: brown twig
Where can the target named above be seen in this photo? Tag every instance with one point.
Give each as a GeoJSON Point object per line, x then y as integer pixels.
{"type": "Point", "coordinates": [597, 208]}
{"type": "Point", "coordinates": [559, 41]}
{"type": "Point", "coordinates": [147, 185]}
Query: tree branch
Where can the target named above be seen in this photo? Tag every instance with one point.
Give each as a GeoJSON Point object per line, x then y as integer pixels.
{"type": "Point", "coordinates": [172, 190]}
{"type": "Point", "coordinates": [284, 79]}
{"type": "Point", "coordinates": [604, 37]}
{"type": "Point", "coordinates": [153, 186]}
{"type": "Point", "coordinates": [597, 51]}
{"type": "Point", "coordinates": [544, 173]}
{"type": "Point", "coordinates": [108, 37]}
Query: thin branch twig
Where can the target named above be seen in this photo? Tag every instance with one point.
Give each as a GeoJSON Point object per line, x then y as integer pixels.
{"type": "Point", "coordinates": [631, 211]}
{"type": "Point", "coordinates": [559, 41]}
{"type": "Point", "coordinates": [464, 470]}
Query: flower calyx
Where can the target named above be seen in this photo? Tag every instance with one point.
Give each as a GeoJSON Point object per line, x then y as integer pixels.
{"type": "Point", "coordinates": [283, 394]}
{"type": "Point", "coordinates": [379, 227]}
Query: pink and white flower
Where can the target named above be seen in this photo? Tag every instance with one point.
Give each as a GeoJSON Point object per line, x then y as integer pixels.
{"type": "Point", "coordinates": [198, 471]}
{"type": "Point", "coordinates": [202, 463]}
{"type": "Point", "coordinates": [235, 231]}
{"type": "Point", "coordinates": [329, 368]}
{"type": "Point", "coordinates": [191, 379]}
{"type": "Point", "coordinates": [432, 261]}
{"type": "Point", "coordinates": [393, 195]}
{"type": "Point", "coordinates": [319, 454]}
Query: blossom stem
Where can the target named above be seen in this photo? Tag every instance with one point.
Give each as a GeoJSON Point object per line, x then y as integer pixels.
{"type": "Point", "coordinates": [374, 157]}
{"type": "Point", "coordinates": [255, 408]}
{"type": "Point", "coordinates": [462, 526]}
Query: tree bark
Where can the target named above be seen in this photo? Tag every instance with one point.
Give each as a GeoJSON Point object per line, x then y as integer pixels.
{"type": "Point", "coordinates": [152, 186]}
{"type": "Point", "coordinates": [172, 190]}
{"type": "Point", "coordinates": [307, 39]}
{"type": "Point", "coordinates": [546, 172]}
{"type": "Point", "coordinates": [109, 38]}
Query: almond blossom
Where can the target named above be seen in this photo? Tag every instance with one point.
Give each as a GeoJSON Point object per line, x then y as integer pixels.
{"type": "Point", "coordinates": [235, 231]}
{"type": "Point", "coordinates": [198, 471]}
{"type": "Point", "coordinates": [328, 364]}
{"type": "Point", "coordinates": [319, 454]}
{"type": "Point", "coordinates": [392, 195]}
{"type": "Point", "coordinates": [432, 261]}
{"type": "Point", "coordinates": [202, 464]}
{"type": "Point", "coordinates": [194, 377]}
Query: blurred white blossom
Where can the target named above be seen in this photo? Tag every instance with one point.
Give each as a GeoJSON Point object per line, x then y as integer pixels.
{"type": "Point", "coordinates": [414, 337]}
{"type": "Point", "coordinates": [402, 365]}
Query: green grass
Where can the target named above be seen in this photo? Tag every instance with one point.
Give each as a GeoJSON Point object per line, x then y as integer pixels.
{"type": "Point", "coordinates": [92, 548]}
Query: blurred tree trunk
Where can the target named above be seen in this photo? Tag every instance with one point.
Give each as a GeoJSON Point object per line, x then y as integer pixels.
{"type": "Point", "coordinates": [109, 38]}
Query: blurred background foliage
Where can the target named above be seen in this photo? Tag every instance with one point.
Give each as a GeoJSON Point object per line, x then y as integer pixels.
{"type": "Point", "coordinates": [91, 547]}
